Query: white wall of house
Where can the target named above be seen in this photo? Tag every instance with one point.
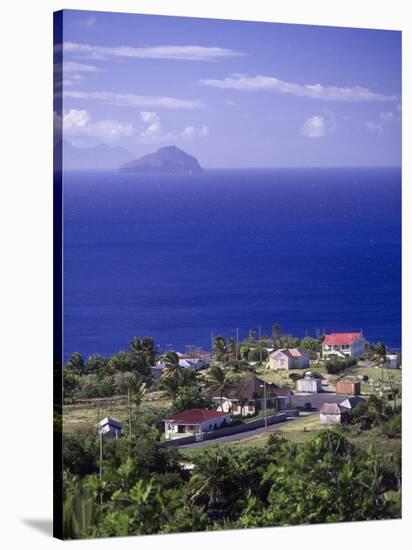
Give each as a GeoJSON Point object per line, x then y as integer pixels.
{"type": "Point", "coordinates": [309, 385]}
{"type": "Point", "coordinates": [174, 430]}
{"type": "Point", "coordinates": [272, 403]}
{"type": "Point", "coordinates": [392, 361]}
{"type": "Point", "coordinates": [281, 361]}
{"type": "Point", "coordinates": [330, 419]}
{"type": "Point", "coordinates": [356, 349]}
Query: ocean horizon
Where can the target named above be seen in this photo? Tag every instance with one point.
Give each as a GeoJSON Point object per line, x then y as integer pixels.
{"type": "Point", "coordinates": [183, 258]}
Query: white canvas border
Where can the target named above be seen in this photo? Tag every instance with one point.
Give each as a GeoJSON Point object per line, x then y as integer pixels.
{"type": "Point", "coordinates": [26, 295]}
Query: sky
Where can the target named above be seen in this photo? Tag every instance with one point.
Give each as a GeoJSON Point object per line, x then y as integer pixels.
{"type": "Point", "coordinates": [233, 94]}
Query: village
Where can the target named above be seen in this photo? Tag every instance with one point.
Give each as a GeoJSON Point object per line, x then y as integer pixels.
{"type": "Point", "coordinates": [247, 399]}
{"type": "Point", "coordinates": [194, 436]}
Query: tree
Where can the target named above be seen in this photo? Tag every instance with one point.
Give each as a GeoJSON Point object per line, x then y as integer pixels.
{"type": "Point", "coordinates": [214, 481]}
{"type": "Point", "coordinates": [131, 361]}
{"type": "Point", "coordinates": [75, 363]}
{"type": "Point", "coordinates": [219, 348]}
{"type": "Point", "coordinates": [172, 369]}
{"type": "Point", "coordinates": [191, 398]}
{"type": "Point", "coordinates": [146, 346]}
{"type": "Point", "coordinates": [276, 331]}
{"type": "Point", "coordinates": [218, 379]}
{"type": "Point", "coordinates": [138, 390]}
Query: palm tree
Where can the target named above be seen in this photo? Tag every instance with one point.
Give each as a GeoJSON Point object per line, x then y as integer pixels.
{"type": "Point", "coordinates": [172, 368]}
{"type": "Point", "coordinates": [218, 379]}
{"type": "Point", "coordinates": [135, 344]}
{"type": "Point", "coordinates": [75, 363]}
{"type": "Point", "coordinates": [219, 348]}
{"type": "Point", "coordinates": [138, 389]}
{"type": "Point", "coordinates": [213, 481]}
{"type": "Point", "coordinates": [378, 358]}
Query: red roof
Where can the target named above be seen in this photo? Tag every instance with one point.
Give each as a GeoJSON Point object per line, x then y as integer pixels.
{"type": "Point", "coordinates": [195, 416]}
{"type": "Point", "coordinates": [341, 338]}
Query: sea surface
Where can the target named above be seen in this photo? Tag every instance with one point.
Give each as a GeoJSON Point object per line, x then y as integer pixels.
{"type": "Point", "coordinates": [181, 258]}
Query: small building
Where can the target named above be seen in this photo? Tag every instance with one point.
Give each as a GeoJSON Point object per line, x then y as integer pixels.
{"type": "Point", "coordinates": [285, 359]}
{"type": "Point", "coordinates": [309, 384]}
{"type": "Point", "coordinates": [109, 427]}
{"type": "Point", "coordinates": [194, 363]}
{"type": "Point", "coordinates": [350, 403]}
{"type": "Point", "coordinates": [391, 361]}
{"type": "Point", "coordinates": [343, 345]}
{"type": "Point", "coordinates": [348, 387]}
{"type": "Point", "coordinates": [194, 422]}
{"type": "Point", "coordinates": [246, 396]}
{"type": "Point", "coordinates": [330, 414]}
{"type": "Point", "coordinates": [204, 356]}
{"type": "Point", "coordinates": [157, 370]}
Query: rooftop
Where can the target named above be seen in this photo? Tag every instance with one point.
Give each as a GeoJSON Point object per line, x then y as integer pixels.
{"type": "Point", "coordinates": [293, 353]}
{"type": "Point", "coordinates": [330, 408]}
{"type": "Point", "coordinates": [342, 338]}
{"type": "Point", "coordinates": [195, 416]}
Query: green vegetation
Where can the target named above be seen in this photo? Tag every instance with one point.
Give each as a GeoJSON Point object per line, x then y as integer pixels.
{"type": "Point", "coordinates": [144, 490]}
{"type": "Point", "coordinates": [352, 471]}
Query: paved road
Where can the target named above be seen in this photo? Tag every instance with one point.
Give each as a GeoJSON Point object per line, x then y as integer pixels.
{"type": "Point", "coordinates": [244, 435]}
{"type": "Point", "coordinates": [299, 400]}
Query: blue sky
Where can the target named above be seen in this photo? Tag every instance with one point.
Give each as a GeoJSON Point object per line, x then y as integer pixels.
{"type": "Point", "coordinates": [234, 94]}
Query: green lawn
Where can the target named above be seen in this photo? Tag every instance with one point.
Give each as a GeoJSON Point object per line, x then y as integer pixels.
{"type": "Point", "coordinates": [84, 415]}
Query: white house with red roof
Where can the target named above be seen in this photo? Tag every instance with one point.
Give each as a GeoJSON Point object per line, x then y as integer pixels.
{"type": "Point", "coordinates": [195, 422]}
{"type": "Point", "coordinates": [343, 344]}
{"type": "Point", "coordinates": [292, 358]}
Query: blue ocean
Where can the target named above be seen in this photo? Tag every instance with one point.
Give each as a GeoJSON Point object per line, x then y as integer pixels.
{"type": "Point", "coordinates": [181, 258]}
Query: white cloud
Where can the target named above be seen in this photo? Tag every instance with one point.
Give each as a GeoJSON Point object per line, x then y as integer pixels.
{"type": "Point", "coordinates": [72, 67]}
{"type": "Point", "coordinates": [185, 53]}
{"type": "Point", "coordinates": [77, 122]}
{"type": "Point", "coordinates": [152, 130]}
{"type": "Point", "coordinates": [318, 126]}
{"type": "Point", "coordinates": [313, 91]}
{"type": "Point", "coordinates": [153, 125]}
{"type": "Point", "coordinates": [386, 117]}
{"type": "Point", "coordinates": [379, 127]}
{"type": "Point", "coordinates": [374, 127]}
{"type": "Point", "coordinates": [133, 100]}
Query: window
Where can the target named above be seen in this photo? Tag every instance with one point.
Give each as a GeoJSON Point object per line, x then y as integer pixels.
{"type": "Point", "coordinates": [181, 429]}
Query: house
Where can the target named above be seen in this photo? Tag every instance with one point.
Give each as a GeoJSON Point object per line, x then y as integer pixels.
{"type": "Point", "coordinates": [246, 396]}
{"type": "Point", "coordinates": [109, 427]}
{"type": "Point", "coordinates": [348, 387]}
{"type": "Point", "coordinates": [309, 384]}
{"type": "Point", "coordinates": [350, 403]}
{"type": "Point", "coordinates": [204, 356]}
{"type": "Point", "coordinates": [331, 414]}
{"type": "Point", "coordinates": [286, 359]}
{"type": "Point", "coordinates": [192, 363]}
{"type": "Point", "coordinates": [391, 361]}
{"type": "Point", "coordinates": [343, 345]}
{"type": "Point", "coordinates": [194, 422]}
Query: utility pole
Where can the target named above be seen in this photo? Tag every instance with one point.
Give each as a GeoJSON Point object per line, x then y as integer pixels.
{"type": "Point", "coordinates": [129, 411]}
{"type": "Point", "coordinates": [237, 343]}
{"type": "Point", "coordinates": [260, 345]}
{"type": "Point", "coordinates": [264, 397]}
{"type": "Point", "coordinates": [211, 341]}
{"type": "Point", "coordinates": [101, 464]}
{"type": "Point", "coordinates": [264, 404]}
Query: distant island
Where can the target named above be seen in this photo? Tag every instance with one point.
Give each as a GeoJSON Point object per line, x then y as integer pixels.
{"type": "Point", "coordinates": [166, 160]}
{"type": "Point", "coordinates": [98, 157]}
